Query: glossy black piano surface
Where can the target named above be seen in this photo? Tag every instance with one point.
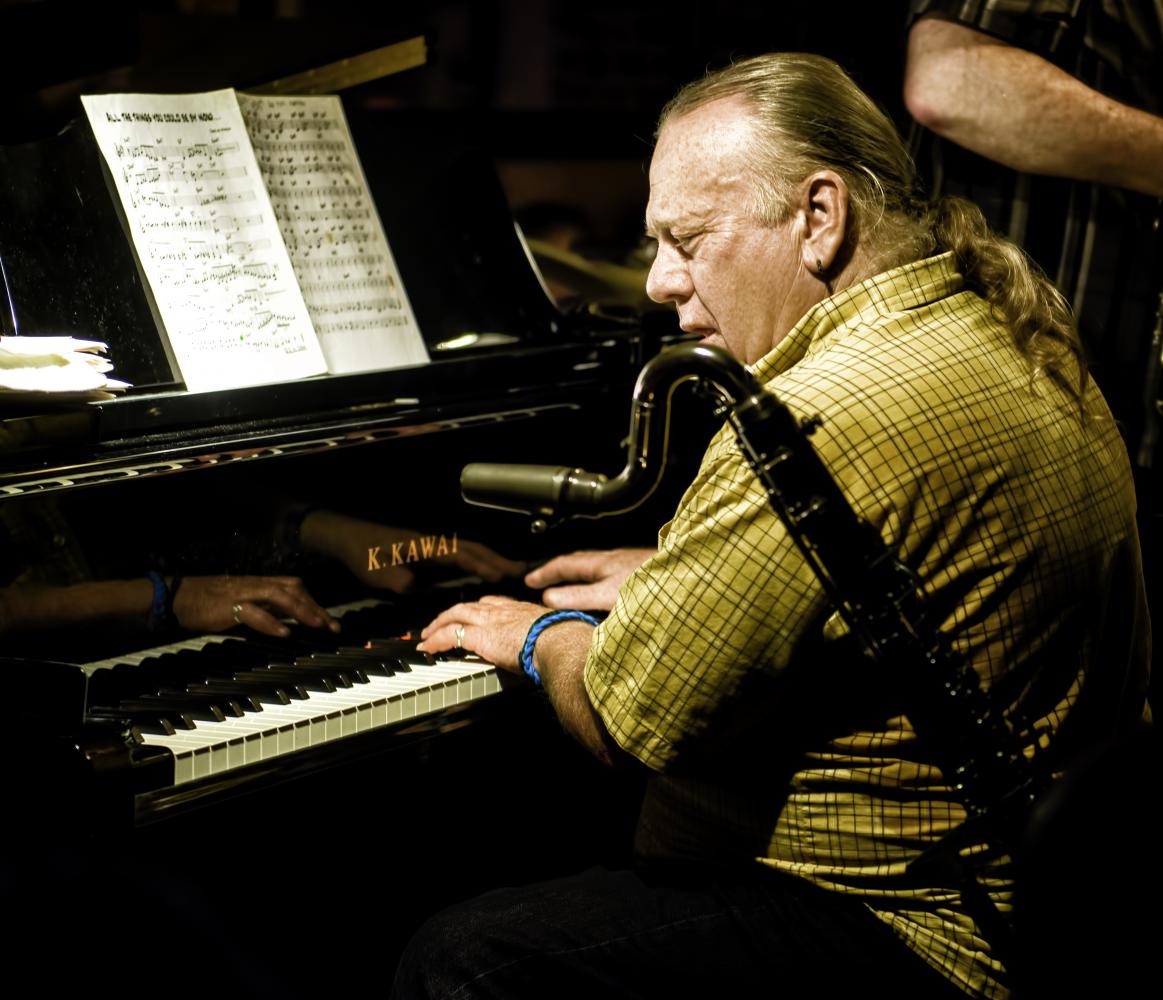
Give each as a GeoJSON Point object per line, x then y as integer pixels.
{"type": "Point", "coordinates": [403, 812]}
{"type": "Point", "coordinates": [303, 872]}
{"type": "Point", "coordinates": [202, 483]}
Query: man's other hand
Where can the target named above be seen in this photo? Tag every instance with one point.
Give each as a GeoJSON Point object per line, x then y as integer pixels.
{"type": "Point", "coordinates": [592, 579]}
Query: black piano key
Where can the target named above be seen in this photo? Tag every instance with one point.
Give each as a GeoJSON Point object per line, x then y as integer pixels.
{"type": "Point", "coordinates": [238, 674]}
{"type": "Point", "coordinates": [196, 708]}
{"type": "Point", "coordinates": [353, 668]}
{"type": "Point", "coordinates": [268, 685]}
{"type": "Point", "coordinates": [404, 649]}
{"type": "Point", "coordinates": [372, 663]}
{"type": "Point", "coordinates": [391, 645]}
{"type": "Point", "coordinates": [457, 654]}
{"type": "Point", "coordinates": [223, 659]}
{"type": "Point", "coordinates": [301, 641]}
{"type": "Point", "coordinates": [147, 718]}
{"type": "Point", "coordinates": [246, 700]}
{"type": "Point", "coordinates": [343, 677]}
{"type": "Point", "coordinates": [288, 673]}
{"type": "Point", "coordinates": [228, 706]}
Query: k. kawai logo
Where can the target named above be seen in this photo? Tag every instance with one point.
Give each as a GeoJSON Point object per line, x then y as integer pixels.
{"type": "Point", "coordinates": [410, 551]}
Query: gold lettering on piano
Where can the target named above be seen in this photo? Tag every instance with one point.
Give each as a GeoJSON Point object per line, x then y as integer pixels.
{"type": "Point", "coordinates": [418, 549]}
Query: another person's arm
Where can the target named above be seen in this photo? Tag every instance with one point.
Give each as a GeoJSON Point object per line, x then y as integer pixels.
{"type": "Point", "coordinates": [1016, 108]}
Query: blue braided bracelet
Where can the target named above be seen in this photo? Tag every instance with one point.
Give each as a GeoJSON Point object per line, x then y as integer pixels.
{"type": "Point", "coordinates": [539, 626]}
{"type": "Point", "coordinates": [161, 610]}
{"type": "Point", "coordinates": [161, 598]}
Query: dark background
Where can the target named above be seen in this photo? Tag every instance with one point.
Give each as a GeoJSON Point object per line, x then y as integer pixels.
{"type": "Point", "coordinates": [563, 95]}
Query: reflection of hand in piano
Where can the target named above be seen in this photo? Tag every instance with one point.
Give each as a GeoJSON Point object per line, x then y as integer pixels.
{"type": "Point", "coordinates": [199, 604]}
{"type": "Point", "coordinates": [391, 558]}
{"type": "Point", "coordinates": [208, 603]}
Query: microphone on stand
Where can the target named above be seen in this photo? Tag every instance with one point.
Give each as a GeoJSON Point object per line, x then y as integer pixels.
{"type": "Point", "coordinates": [539, 490]}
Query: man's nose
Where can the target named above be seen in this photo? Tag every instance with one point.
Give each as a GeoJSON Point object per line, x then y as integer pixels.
{"type": "Point", "coordinates": [669, 279]}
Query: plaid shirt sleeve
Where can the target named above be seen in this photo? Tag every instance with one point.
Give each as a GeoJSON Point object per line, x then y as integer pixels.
{"type": "Point", "coordinates": [727, 593]}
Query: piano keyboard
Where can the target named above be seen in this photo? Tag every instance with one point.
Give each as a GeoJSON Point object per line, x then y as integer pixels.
{"type": "Point", "coordinates": [341, 693]}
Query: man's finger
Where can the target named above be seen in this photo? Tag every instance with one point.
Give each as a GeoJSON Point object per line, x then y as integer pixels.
{"type": "Point", "coordinates": [584, 596]}
{"type": "Point", "coordinates": [445, 637]}
{"type": "Point", "coordinates": [572, 567]}
{"type": "Point", "coordinates": [294, 604]}
{"type": "Point", "coordinates": [257, 618]}
{"type": "Point", "coordinates": [457, 614]}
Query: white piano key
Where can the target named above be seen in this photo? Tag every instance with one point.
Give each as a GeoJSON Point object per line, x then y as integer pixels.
{"type": "Point", "coordinates": [215, 748]}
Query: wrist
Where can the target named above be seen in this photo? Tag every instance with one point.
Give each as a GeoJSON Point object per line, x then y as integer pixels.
{"type": "Point", "coordinates": [530, 663]}
{"type": "Point", "coordinates": [302, 528]}
{"type": "Point", "coordinates": [161, 609]}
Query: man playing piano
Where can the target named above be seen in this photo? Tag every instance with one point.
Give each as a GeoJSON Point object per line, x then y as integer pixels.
{"type": "Point", "coordinates": [788, 791]}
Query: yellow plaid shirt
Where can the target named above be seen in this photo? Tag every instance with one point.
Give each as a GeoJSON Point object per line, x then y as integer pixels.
{"type": "Point", "coordinates": [721, 668]}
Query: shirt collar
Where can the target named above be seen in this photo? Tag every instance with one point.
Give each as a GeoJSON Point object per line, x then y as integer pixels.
{"type": "Point", "coordinates": [902, 288]}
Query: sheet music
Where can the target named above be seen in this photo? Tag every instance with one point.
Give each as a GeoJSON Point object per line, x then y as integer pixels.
{"type": "Point", "coordinates": [206, 236]}
{"type": "Point", "coordinates": [329, 222]}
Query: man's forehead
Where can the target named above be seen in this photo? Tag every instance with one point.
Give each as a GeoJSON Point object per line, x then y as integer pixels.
{"type": "Point", "coordinates": [723, 127]}
{"type": "Point", "coordinates": [699, 159]}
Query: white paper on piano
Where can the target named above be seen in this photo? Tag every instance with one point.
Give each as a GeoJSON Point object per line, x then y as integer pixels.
{"type": "Point", "coordinates": [206, 236]}
{"type": "Point", "coordinates": [55, 366]}
{"type": "Point", "coordinates": [329, 222]}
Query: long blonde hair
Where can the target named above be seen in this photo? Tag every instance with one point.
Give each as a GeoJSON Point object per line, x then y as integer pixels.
{"type": "Point", "coordinates": [808, 115]}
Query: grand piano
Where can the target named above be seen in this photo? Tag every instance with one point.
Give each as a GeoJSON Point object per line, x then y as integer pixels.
{"type": "Point", "coordinates": [175, 758]}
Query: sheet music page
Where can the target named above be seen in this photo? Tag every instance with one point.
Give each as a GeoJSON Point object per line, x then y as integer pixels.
{"type": "Point", "coordinates": [206, 236]}
{"type": "Point", "coordinates": [338, 246]}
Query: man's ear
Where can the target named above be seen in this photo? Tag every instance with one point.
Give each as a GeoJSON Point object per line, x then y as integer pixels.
{"type": "Point", "coordinates": [824, 216]}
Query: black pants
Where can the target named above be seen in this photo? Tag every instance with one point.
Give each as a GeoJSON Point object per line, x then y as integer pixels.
{"type": "Point", "coordinates": [663, 933]}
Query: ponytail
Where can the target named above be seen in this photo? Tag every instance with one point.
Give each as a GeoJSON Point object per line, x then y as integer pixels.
{"type": "Point", "coordinates": [808, 114]}
{"type": "Point", "coordinates": [1019, 293]}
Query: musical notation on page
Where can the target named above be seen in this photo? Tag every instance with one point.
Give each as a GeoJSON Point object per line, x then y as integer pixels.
{"type": "Point", "coordinates": [337, 243]}
{"type": "Point", "coordinates": [207, 237]}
